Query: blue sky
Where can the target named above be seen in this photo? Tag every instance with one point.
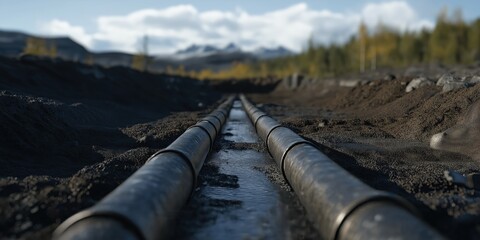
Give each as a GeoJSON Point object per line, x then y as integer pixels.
{"type": "Point", "coordinates": [114, 25]}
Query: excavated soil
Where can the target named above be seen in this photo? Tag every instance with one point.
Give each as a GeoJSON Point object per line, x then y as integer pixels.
{"type": "Point", "coordinates": [381, 134]}
{"type": "Point", "coordinates": [71, 133]}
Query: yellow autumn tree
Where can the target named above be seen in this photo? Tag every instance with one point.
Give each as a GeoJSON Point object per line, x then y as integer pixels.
{"type": "Point", "coordinates": [39, 47]}
{"type": "Point", "coordinates": [88, 60]}
{"type": "Point", "coordinates": [362, 44]}
{"type": "Point", "coordinates": [140, 60]}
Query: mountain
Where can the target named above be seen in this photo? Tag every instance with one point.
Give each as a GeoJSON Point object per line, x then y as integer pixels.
{"type": "Point", "coordinates": [198, 49]}
{"type": "Point", "coordinates": [268, 53]}
{"type": "Point", "coordinates": [194, 57]}
{"type": "Point", "coordinates": [195, 51]}
{"type": "Point", "coordinates": [13, 43]}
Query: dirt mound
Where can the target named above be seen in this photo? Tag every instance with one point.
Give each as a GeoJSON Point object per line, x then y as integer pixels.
{"type": "Point", "coordinates": [36, 141]}
{"type": "Point", "coordinates": [71, 133]}
{"type": "Point", "coordinates": [381, 134]}
{"type": "Point", "coordinates": [92, 95]}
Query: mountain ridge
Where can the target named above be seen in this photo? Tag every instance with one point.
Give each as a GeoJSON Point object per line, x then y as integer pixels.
{"type": "Point", "coordinates": [194, 57]}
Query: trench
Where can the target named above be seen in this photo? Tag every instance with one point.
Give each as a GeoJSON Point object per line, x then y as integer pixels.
{"type": "Point", "coordinates": [240, 193]}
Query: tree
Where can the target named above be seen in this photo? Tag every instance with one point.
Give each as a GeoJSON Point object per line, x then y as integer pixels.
{"type": "Point", "coordinates": [39, 47]}
{"type": "Point", "coordinates": [140, 61]}
{"type": "Point", "coordinates": [362, 44]}
{"type": "Point", "coordinates": [88, 59]}
{"type": "Point", "coordinates": [474, 41]}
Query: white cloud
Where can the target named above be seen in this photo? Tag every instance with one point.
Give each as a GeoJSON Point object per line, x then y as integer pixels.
{"type": "Point", "coordinates": [397, 14]}
{"type": "Point", "coordinates": [59, 27]}
{"type": "Point", "coordinates": [177, 27]}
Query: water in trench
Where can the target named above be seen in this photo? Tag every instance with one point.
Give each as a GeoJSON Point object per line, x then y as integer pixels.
{"type": "Point", "coordinates": [236, 198]}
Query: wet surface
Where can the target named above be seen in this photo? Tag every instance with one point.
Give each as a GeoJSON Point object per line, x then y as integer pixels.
{"type": "Point", "coordinates": [241, 194]}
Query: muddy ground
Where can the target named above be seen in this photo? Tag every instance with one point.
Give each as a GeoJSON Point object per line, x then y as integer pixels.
{"type": "Point", "coordinates": [71, 133]}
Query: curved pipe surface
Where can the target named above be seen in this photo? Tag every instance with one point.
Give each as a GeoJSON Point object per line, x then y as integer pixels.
{"type": "Point", "coordinates": [145, 205]}
{"type": "Point", "coordinates": [340, 205]}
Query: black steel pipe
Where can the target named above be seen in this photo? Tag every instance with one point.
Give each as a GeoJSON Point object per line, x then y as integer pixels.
{"type": "Point", "coordinates": [145, 205]}
{"type": "Point", "coordinates": [340, 205]}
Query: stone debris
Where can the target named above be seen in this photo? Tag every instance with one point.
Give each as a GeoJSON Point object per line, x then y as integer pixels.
{"type": "Point", "coordinates": [389, 77]}
{"type": "Point", "coordinates": [450, 82]}
{"type": "Point", "coordinates": [449, 86]}
{"type": "Point", "coordinates": [417, 83]}
{"type": "Point", "coordinates": [474, 80]}
{"type": "Point", "coordinates": [447, 78]}
{"type": "Point", "coordinates": [471, 180]}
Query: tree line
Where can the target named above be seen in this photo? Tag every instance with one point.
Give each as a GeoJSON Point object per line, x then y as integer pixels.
{"type": "Point", "coordinates": [451, 41]}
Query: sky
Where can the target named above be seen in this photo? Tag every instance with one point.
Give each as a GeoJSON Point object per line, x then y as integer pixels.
{"type": "Point", "coordinates": [113, 25]}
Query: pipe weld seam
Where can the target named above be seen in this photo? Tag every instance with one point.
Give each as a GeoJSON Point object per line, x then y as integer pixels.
{"type": "Point", "coordinates": [256, 110]}
{"type": "Point", "coordinates": [214, 127]}
{"type": "Point", "coordinates": [284, 155]}
{"type": "Point", "coordinates": [222, 112]}
{"type": "Point", "coordinates": [268, 135]}
{"type": "Point", "coordinates": [256, 121]}
{"type": "Point", "coordinates": [186, 159]}
{"type": "Point", "coordinates": [219, 120]}
{"type": "Point", "coordinates": [115, 216]}
{"type": "Point", "coordinates": [206, 131]}
{"type": "Point", "coordinates": [215, 114]}
{"type": "Point", "coordinates": [379, 197]}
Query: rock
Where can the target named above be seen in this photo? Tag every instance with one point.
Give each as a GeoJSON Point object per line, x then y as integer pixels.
{"type": "Point", "coordinates": [449, 86]}
{"type": "Point", "coordinates": [147, 140]}
{"type": "Point", "coordinates": [322, 124]}
{"type": "Point", "coordinates": [389, 77]}
{"type": "Point", "coordinates": [474, 80]}
{"type": "Point", "coordinates": [446, 78]}
{"type": "Point", "coordinates": [462, 138]}
{"type": "Point", "coordinates": [471, 180]}
{"type": "Point", "coordinates": [348, 83]}
{"type": "Point", "coordinates": [417, 83]}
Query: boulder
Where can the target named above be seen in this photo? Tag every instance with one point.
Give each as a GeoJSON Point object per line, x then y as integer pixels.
{"type": "Point", "coordinates": [417, 83]}
{"type": "Point", "coordinates": [462, 138]}
{"type": "Point", "coordinates": [446, 78]}
{"type": "Point", "coordinates": [449, 86]}
{"type": "Point", "coordinates": [474, 80]}
{"type": "Point", "coordinates": [389, 77]}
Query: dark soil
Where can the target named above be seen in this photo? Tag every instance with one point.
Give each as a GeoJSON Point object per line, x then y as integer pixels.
{"type": "Point", "coordinates": [71, 133]}
{"type": "Point", "coordinates": [381, 135]}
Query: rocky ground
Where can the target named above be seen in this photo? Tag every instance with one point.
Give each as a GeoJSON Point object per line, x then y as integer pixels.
{"type": "Point", "coordinates": [380, 131]}
{"type": "Point", "coordinates": [71, 133]}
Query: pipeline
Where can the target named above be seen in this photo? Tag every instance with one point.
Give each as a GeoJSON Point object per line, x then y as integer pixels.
{"type": "Point", "coordinates": [145, 205]}
{"type": "Point", "coordinates": [340, 205]}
